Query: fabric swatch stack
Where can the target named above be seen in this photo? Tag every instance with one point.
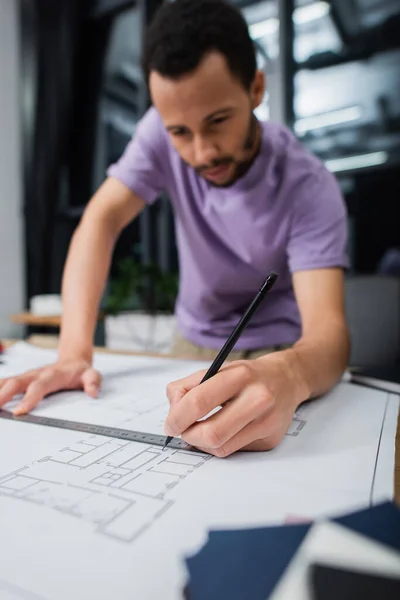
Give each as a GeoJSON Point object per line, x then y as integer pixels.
{"type": "Point", "coordinates": [351, 557]}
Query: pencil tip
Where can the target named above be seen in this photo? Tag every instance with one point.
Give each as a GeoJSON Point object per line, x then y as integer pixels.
{"type": "Point", "coordinates": [167, 441]}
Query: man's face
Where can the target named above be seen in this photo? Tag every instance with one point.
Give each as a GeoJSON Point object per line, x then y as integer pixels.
{"type": "Point", "coordinates": [209, 117]}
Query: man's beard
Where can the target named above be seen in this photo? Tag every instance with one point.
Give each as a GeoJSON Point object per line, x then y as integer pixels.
{"type": "Point", "coordinates": [241, 166]}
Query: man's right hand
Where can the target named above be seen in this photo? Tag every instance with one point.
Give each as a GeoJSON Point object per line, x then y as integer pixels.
{"type": "Point", "coordinates": [38, 383]}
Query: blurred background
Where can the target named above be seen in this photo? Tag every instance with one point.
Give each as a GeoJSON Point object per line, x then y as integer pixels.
{"type": "Point", "coordinates": [71, 93]}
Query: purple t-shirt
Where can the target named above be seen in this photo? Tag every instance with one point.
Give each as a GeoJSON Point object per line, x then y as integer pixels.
{"type": "Point", "coordinates": [285, 214]}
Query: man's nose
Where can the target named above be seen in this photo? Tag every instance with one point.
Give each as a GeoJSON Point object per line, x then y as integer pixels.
{"type": "Point", "coordinates": [204, 151]}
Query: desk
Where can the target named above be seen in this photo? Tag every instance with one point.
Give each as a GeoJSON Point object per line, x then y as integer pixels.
{"type": "Point", "coordinates": [53, 322]}
{"type": "Point", "coordinates": [50, 342]}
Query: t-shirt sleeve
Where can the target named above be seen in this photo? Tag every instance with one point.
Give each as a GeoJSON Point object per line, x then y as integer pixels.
{"type": "Point", "coordinates": [142, 166]}
{"type": "Point", "coordinates": [319, 227]}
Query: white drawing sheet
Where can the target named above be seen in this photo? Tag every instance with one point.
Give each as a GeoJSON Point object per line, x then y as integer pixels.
{"type": "Point", "coordinates": [88, 516]}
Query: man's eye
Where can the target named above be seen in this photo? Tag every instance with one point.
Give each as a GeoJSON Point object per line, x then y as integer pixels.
{"type": "Point", "coordinates": [219, 120]}
{"type": "Point", "coordinates": [179, 132]}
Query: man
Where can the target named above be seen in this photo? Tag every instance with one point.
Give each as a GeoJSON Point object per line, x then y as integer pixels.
{"type": "Point", "coordinates": [248, 199]}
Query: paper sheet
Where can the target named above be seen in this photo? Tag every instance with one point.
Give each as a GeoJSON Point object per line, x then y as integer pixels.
{"type": "Point", "coordinates": [88, 516]}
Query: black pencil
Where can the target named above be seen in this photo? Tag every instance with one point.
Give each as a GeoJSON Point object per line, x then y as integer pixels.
{"type": "Point", "coordinates": [236, 333]}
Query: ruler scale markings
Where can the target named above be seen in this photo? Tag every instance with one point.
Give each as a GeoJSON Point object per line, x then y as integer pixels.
{"type": "Point", "coordinates": [113, 432]}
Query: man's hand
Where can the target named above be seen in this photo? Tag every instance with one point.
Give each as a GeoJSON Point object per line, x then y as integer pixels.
{"type": "Point", "coordinates": [38, 383]}
{"type": "Point", "coordinates": [257, 398]}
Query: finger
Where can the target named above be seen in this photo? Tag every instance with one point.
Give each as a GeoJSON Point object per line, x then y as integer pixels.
{"type": "Point", "coordinates": [219, 428]}
{"type": "Point", "coordinates": [47, 383]}
{"type": "Point", "coordinates": [250, 438]}
{"type": "Point", "coordinates": [179, 388]}
{"type": "Point", "coordinates": [91, 380]}
{"type": "Point", "coordinates": [25, 378]}
{"type": "Point", "coordinates": [202, 399]}
{"type": "Point", "coordinates": [263, 445]}
{"type": "Point", "coordinates": [13, 386]}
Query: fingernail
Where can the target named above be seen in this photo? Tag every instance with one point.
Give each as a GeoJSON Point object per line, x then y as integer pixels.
{"type": "Point", "coordinates": [18, 410]}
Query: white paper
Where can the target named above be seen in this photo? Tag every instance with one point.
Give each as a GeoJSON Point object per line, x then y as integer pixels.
{"type": "Point", "coordinates": [87, 516]}
{"type": "Point", "coordinates": [334, 545]}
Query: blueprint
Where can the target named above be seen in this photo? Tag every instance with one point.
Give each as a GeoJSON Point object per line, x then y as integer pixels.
{"type": "Point", "coordinates": [87, 516]}
{"type": "Point", "coordinates": [119, 487]}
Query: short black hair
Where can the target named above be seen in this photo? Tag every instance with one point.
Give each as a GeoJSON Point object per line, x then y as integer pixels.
{"type": "Point", "coordinates": [183, 32]}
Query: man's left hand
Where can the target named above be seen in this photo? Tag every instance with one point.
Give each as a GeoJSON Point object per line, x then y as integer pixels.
{"type": "Point", "coordinates": [256, 401]}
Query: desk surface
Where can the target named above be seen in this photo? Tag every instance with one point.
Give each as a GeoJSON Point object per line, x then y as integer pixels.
{"type": "Point", "coordinates": [51, 342]}
{"type": "Point", "coordinates": [29, 319]}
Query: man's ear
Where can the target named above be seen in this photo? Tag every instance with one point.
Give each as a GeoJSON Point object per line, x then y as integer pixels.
{"type": "Point", "coordinates": [258, 88]}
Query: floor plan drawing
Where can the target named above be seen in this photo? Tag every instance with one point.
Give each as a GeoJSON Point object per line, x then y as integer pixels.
{"type": "Point", "coordinates": [300, 419]}
{"type": "Point", "coordinates": [120, 487]}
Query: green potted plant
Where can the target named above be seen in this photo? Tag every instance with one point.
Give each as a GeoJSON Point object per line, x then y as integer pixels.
{"type": "Point", "coordinates": [139, 305]}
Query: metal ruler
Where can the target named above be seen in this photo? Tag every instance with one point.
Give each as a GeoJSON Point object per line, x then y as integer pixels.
{"type": "Point", "coordinates": [114, 432]}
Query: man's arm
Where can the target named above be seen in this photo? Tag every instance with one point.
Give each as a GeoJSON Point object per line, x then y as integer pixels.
{"type": "Point", "coordinates": [135, 180]}
{"type": "Point", "coordinates": [322, 353]}
{"type": "Point", "coordinates": [109, 211]}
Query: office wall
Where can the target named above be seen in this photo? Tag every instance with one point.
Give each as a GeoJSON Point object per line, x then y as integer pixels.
{"type": "Point", "coordinates": [11, 223]}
